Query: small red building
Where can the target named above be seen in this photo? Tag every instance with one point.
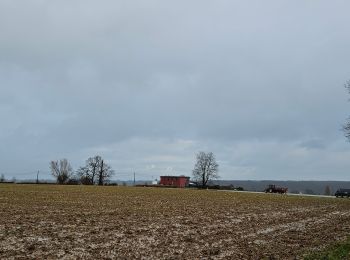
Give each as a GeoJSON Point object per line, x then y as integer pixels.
{"type": "Point", "coordinates": [177, 181]}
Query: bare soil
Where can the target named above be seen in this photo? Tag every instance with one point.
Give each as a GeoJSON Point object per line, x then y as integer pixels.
{"type": "Point", "coordinates": [80, 222]}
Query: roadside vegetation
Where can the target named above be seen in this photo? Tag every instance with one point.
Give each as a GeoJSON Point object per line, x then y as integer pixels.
{"type": "Point", "coordinates": [338, 251]}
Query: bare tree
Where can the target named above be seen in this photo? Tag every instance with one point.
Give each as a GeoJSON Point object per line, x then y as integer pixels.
{"type": "Point", "coordinates": [95, 171]}
{"type": "Point", "coordinates": [61, 170]}
{"type": "Point", "coordinates": [2, 177]}
{"type": "Point", "coordinates": [84, 175]}
{"type": "Point", "coordinates": [88, 173]}
{"type": "Point", "coordinates": [104, 173]}
{"type": "Point", "coordinates": [205, 169]}
{"type": "Point", "coordinates": [327, 191]}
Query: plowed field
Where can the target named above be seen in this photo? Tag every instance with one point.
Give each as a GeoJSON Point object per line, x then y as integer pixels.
{"type": "Point", "coordinates": [51, 221]}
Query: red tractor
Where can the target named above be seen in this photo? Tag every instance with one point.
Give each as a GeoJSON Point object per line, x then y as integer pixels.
{"type": "Point", "coordinates": [274, 189]}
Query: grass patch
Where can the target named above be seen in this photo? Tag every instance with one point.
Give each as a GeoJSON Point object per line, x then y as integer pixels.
{"type": "Point", "coordinates": [339, 250]}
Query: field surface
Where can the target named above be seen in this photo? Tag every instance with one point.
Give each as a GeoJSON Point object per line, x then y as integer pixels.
{"type": "Point", "coordinates": [80, 222]}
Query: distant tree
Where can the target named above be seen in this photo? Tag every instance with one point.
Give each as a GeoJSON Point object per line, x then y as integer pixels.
{"type": "Point", "coordinates": [105, 172]}
{"type": "Point", "coordinates": [205, 169]}
{"type": "Point", "coordinates": [61, 170]}
{"type": "Point", "coordinates": [92, 164]}
{"type": "Point", "coordinates": [84, 175]}
{"type": "Point", "coordinates": [327, 190]}
{"type": "Point", "coordinates": [89, 172]}
{"type": "Point", "coordinates": [2, 178]}
{"type": "Point", "coordinates": [95, 171]}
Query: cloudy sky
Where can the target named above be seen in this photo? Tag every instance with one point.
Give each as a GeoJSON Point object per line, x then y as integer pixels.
{"type": "Point", "coordinates": [148, 84]}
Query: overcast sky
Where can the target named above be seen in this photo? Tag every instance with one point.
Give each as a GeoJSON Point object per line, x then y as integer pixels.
{"type": "Point", "coordinates": [148, 84]}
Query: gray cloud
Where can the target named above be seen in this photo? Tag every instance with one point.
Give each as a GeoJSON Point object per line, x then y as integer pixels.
{"type": "Point", "coordinates": [149, 84]}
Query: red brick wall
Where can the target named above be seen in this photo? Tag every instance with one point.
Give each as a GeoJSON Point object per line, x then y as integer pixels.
{"type": "Point", "coordinates": [178, 181]}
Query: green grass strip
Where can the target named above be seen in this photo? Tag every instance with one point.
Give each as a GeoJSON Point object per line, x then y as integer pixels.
{"type": "Point", "coordinates": [339, 250]}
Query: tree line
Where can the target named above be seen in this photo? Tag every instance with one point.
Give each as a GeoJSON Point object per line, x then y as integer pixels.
{"type": "Point", "coordinates": [95, 172]}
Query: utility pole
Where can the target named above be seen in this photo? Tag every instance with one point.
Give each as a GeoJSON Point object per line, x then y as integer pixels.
{"type": "Point", "coordinates": [37, 177]}
{"type": "Point", "coordinates": [134, 179]}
